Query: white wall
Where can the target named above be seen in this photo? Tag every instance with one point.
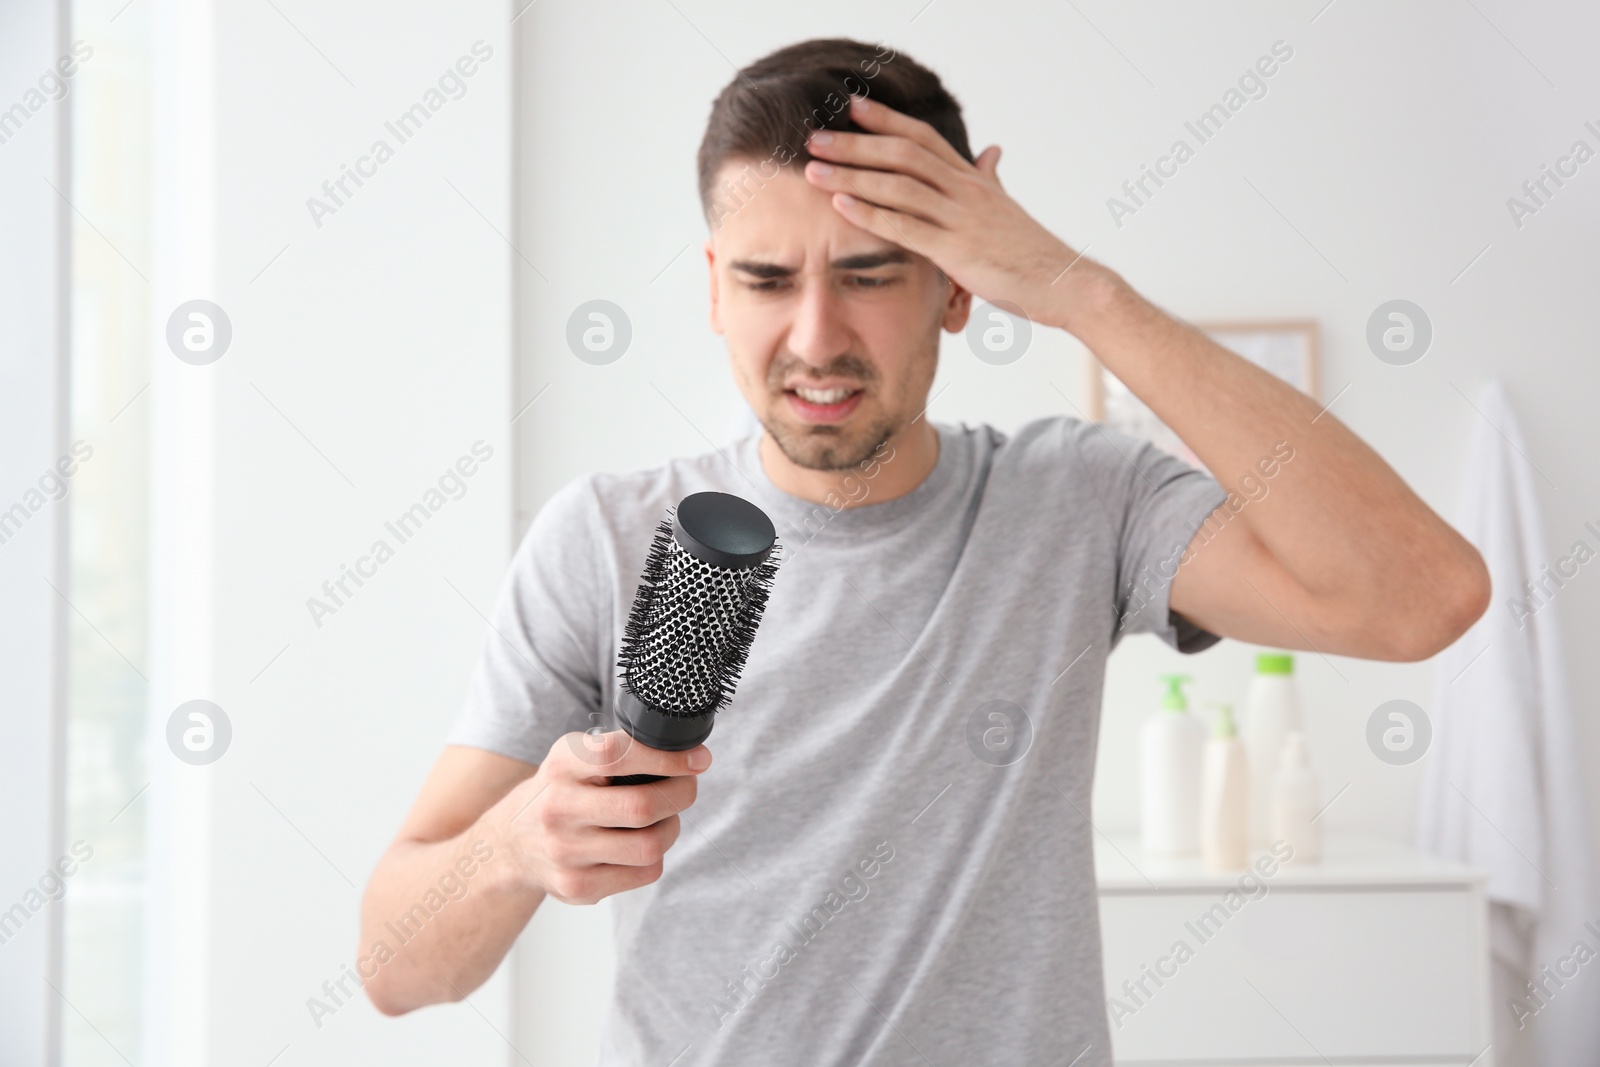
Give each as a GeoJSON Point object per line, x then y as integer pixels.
{"type": "Point", "coordinates": [368, 354]}
{"type": "Point", "coordinates": [1390, 142]}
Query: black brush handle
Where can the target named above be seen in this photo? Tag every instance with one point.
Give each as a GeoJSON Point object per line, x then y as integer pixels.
{"type": "Point", "coordinates": [669, 733]}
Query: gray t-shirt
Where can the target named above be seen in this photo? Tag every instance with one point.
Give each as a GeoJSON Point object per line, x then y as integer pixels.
{"type": "Point", "coordinates": [890, 860]}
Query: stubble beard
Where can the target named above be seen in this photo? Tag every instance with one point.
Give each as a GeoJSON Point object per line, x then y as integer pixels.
{"type": "Point", "coordinates": [830, 448]}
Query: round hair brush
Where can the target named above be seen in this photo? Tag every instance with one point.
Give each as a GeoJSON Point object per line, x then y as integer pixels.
{"type": "Point", "coordinates": [705, 584]}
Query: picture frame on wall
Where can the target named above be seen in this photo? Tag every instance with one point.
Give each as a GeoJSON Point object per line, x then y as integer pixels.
{"type": "Point", "coordinates": [1287, 348]}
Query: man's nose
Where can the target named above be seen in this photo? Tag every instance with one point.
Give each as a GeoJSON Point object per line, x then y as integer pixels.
{"type": "Point", "coordinates": [819, 331]}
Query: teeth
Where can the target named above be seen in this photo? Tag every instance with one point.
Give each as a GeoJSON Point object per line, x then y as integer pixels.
{"type": "Point", "coordinates": [823, 396]}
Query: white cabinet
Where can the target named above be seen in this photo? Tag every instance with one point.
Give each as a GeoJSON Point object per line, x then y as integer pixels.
{"type": "Point", "coordinates": [1375, 956]}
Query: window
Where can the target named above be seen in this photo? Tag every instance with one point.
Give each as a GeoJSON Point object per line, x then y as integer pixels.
{"type": "Point", "coordinates": [107, 694]}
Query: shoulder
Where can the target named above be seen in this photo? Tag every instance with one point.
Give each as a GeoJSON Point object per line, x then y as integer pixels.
{"type": "Point", "coordinates": [649, 490]}
{"type": "Point", "coordinates": [1063, 444]}
{"type": "Point", "coordinates": [566, 516]}
{"type": "Point", "coordinates": [617, 505]}
{"type": "Point", "coordinates": [1074, 464]}
{"type": "Point", "coordinates": [1058, 433]}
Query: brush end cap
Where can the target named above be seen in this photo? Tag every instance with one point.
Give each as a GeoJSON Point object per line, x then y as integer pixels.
{"type": "Point", "coordinates": [723, 530]}
{"type": "Point", "coordinates": [669, 733]}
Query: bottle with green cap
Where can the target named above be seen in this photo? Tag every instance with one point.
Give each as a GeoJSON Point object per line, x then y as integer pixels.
{"type": "Point", "coordinates": [1224, 797]}
{"type": "Point", "coordinates": [1272, 714]}
{"type": "Point", "coordinates": [1169, 775]}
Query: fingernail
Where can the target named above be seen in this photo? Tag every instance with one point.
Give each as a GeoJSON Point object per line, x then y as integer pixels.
{"type": "Point", "coordinates": [820, 168]}
{"type": "Point", "coordinates": [822, 137]}
{"type": "Point", "coordinates": [860, 102]}
{"type": "Point", "coordinates": [699, 759]}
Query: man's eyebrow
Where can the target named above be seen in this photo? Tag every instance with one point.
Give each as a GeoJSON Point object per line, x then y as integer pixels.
{"type": "Point", "coordinates": [868, 260]}
{"type": "Point", "coordinates": [861, 261]}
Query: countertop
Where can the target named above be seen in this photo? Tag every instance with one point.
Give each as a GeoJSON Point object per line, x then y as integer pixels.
{"type": "Point", "coordinates": [1348, 862]}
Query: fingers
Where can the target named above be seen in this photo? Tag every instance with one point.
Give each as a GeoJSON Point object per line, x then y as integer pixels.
{"type": "Point", "coordinates": [590, 885]}
{"type": "Point", "coordinates": [621, 848]}
{"type": "Point", "coordinates": [882, 153]}
{"type": "Point", "coordinates": [589, 754]}
{"type": "Point", "coordinates": [905, 230]}
{"type": "Point", "coordinates": [632, 806]}
{"type": "Point", "coordinates": [576, 799]}
{"type": "Point", "coordinates": [898, 191]}
{"type": "Point", "coordinates": [876, 118]}
{"type": "Point", "coordinates": [988, 162]}
{"type": "Point", "coordinates": [581, 839]}
{"type": "Point", "coordinates": [901, 180]}
{"type": "Point", "coordinates": [624, 848]}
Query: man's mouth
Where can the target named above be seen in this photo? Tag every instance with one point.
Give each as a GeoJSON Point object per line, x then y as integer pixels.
{"type": "Point", "coordinates": [823, 405]}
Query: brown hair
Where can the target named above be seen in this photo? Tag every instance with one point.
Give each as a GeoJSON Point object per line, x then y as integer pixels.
{"type": "Point", "coordinates": [767, 111]}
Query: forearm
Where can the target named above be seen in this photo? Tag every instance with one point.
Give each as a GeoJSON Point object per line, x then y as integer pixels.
{"type": "Point", "coordinates": [438, 917]}
{"type": "Point", "coordinates": [1343, 537]}
{"type": "Point", "coordinates": [1337, 518]}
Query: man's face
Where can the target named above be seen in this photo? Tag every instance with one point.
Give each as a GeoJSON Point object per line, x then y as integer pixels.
{"type": "Point", "coordinates": [833, 333]}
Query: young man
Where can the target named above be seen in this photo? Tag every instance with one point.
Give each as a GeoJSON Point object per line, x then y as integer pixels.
{"type": "Point", "coordinates": [891, 861]}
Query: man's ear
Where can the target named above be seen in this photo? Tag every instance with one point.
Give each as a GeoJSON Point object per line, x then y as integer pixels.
{"type": "Point", "coordinates": [957, 308]}
{"type": "Point", "coordinates": [711, 268]}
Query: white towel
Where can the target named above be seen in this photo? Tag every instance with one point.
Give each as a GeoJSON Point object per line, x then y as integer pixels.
{"type": "Point", "coordinates": [1501, 788]}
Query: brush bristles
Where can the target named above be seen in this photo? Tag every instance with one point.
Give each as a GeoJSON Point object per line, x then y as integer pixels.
{"type": "Point", "coordinates": [645, 615]}
{"type": "Point", "coordinates": [757, 588]}
{"type": "Point", "coordinates": [647, 627]}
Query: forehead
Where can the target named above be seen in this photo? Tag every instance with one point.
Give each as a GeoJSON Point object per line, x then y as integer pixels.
{"type": "Point", "coordinates": [784, 219]}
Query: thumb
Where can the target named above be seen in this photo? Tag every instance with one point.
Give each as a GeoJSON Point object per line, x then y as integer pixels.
{"type": "Point", "coordinates": [987, 161]}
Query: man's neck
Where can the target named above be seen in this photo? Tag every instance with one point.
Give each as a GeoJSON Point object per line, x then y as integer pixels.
{"type": "Point", "coordinates": [894, 470]}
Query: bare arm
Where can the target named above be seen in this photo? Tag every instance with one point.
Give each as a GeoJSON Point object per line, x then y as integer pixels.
{"type": "Point", "coordinates": [1342, 557]}
{"type": "Point", "coordinates": [1332, 551]}
{"type": "Point", "coordinates": [490, 837]}
{"type": "Point", "coordinates": [458, 948]}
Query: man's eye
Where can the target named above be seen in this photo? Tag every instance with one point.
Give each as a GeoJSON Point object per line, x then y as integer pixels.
{"type": "Point", "coordinates": [868, 282]}
{"type": "Point", "coordinates": [771, 285]}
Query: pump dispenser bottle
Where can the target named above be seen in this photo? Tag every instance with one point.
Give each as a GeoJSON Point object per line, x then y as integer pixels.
{"type": "Point", "coordinates": [1224, 794]}
{"type": "Point", "coordinates": [1272, 714]}
{"type": "Point", "coordinates": [1296, 801]}
{"type": "Point", "coordinates": [1169, 775]}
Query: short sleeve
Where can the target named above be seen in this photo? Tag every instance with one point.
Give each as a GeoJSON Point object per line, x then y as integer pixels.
{"type": "Point", "coordinates": [1159, 503]}
{"type": "Point", "coordinates": [537, 675]}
